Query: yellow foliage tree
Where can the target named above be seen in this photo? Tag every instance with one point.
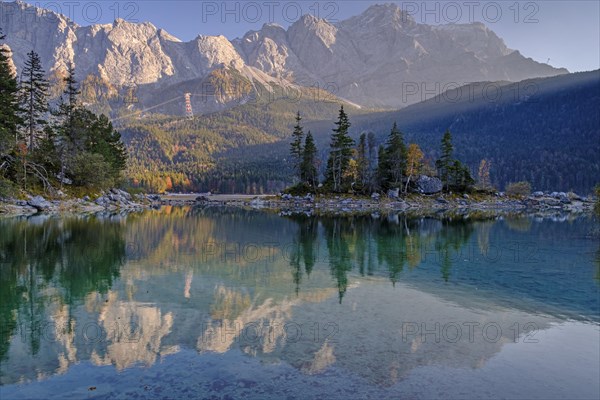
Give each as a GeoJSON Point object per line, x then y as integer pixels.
{"type": "Point", "coordinates": [414, 163]}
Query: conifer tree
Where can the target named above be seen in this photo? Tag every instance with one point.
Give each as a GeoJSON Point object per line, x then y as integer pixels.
{"type": "Point", "coordinates": [362, 163]}
{"type": "Point", "coordinates": [309, 172]}
{"type": "Point", "coordinates": [9, 103]}
{"type": "Point", "coordinates": [33, 97]}
{"type": "Point", "coordinates": [395, 157]}
{"type": "Point", "coordinates": [382, 169]}
{"type": "Point", "coordinates": [296, 151]}
{"type": "Point", "coordinates": [340, 153]}
{"type": "Point", "coordinates": [445, 163]}
{"type": "Point", "coordinates": [68, 141]}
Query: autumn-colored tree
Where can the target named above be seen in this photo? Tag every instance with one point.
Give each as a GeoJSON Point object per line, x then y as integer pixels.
{"type": "Point", "coordinates": [414, 163]}
{"type": "Point", "coordinates": [168, 183]}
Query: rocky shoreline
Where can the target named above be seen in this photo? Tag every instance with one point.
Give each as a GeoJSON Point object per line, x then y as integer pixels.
{"type": "Point", "coordinates": [113, 200]}
{"type": "Point", "coordinates": [549, 203]}
{"type": "Point", "coordinates": [119, 200]}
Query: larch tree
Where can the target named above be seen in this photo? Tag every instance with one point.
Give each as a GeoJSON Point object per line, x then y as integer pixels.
{"type": "Point", "coordinates": [414, 163]}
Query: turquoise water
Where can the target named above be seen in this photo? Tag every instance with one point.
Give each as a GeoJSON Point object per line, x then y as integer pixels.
{"type": "Point", "coordinates": [222, 303]}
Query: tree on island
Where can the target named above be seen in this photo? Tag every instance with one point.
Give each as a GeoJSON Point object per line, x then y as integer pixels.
{"type": "Point", "coordinates": [382, 168]}
{"type": "Point", "coordinates": [414, 163]}
{"type": "Point", "coordinates": [395, 157]}
{"type": "Point", "coordinates": [362, 164]}
{"type": "Point", "coordinates": [444, 163]}
{"type": "Point", "coordinates": [336, 178]}
{"type": "Point", "coordinates": [296, 150]}
{"type": "Point", "coordinates": [308, 170]}
{"type": "Point", "coordinates": [453, 174]}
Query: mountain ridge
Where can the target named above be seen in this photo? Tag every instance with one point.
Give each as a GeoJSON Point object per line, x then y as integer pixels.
{"type": "Point", "coordinates": [366, 59]}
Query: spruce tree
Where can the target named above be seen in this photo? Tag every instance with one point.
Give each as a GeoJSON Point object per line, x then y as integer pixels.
{"type": "Point", "coordinates": [340, 153]}
{"type": "Point", "coordinates": [372, 158]}
{"type": "Point", "coordinates": [296, 151]}
{"type": "Point", "coordinates": [362, 163]}
{"type": "Point", "coordinates": [9, 103]}
{"type": "Point", "coordinates": [395, 157]}
{"type": "Point", "coordinates": [69, 142]}
{"type": "Point", "coordinates": [445, 163]}
{"type": "Point", "coordinates": [309, 172]}
{"type": "Point", "coordinates": [382, 169]}
{"type": "Point", "coordinates": [33, 96]}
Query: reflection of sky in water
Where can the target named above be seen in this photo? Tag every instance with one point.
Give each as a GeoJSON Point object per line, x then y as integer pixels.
{"type": "Point", "coordinates": [153, 305]}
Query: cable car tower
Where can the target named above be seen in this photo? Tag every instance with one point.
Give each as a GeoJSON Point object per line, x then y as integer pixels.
{"type": "Point", "coordinates": [189, 113]}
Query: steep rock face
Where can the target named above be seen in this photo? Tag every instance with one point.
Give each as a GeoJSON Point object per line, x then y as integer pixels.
{"type": "Point", "coordinates": [380, 58]}
{"type": "Point", "coordinates": [123, 53]}
{"type": "Point", "coordinates": [30, 28]}
{"type": "Point", "coordinates": [383, 58]}
{"type": "Point", "coordinates": [11, 64]}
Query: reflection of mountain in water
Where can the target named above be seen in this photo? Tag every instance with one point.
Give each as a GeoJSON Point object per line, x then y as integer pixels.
{"type": "Point", "coordinates": [127, 291]}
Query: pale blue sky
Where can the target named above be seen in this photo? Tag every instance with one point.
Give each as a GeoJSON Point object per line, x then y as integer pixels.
{"type": "Point", "coordinates": [566, 32]}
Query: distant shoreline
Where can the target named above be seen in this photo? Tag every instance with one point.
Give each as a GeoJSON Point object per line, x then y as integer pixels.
{"type": "Point", "coordinates": [417, 205]}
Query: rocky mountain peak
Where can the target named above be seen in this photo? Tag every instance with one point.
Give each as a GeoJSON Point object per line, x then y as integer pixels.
{"type": "Point", "coordinates": [366, 59]}
{"type": "Point", "coordinates": [384, 15]}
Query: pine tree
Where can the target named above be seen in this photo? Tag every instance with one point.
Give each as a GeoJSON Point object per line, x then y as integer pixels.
{"type": "Point", "coordinates": [296, 151]}
{"type": "Point", "coordinates": [395, 157]}
{"type": "Point", "coordinates": [445, 163]}
{"type": "Point", "coordinates": [33, 96]}
{"type": "Point", "coordinates": [309, 172]}
{"type": "Point", "coordinates": [340, 153]}
{"type": "Point", "coordinates": [9, 104]}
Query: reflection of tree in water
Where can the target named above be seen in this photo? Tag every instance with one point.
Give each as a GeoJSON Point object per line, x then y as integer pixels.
{"type": "Point", "coordinates": [391, 248]}
{"type": "Point", "coordinates": [305, 249]}
{"type": "Point", "coordinates": [371, 244]}
{"type": "Point", "coordinates": [338, 232]}
{"type": "Point", "coordinates": [451, 239]}
{"type": "Point", "coordinates": [597, 277]}
{"type": "Point", "coordinates": [77, 255]}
